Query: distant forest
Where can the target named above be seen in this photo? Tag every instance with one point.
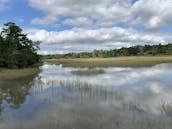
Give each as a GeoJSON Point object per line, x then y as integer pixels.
{"type": "Point", "coordinates": [130, 51]}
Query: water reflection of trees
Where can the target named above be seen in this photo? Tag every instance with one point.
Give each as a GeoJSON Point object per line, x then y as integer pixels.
{"type": "Point", "coordinates": [14, 92]}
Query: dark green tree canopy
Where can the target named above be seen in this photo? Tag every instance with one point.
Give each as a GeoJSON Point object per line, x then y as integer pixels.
{"type": "Point", "coordinates": [16, 50]}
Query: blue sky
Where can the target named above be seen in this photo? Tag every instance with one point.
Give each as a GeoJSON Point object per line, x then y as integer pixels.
{"type": "Point", "coordinates": [83, 25]}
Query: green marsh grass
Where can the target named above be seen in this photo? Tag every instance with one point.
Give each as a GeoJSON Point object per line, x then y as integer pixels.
{"type": "Point", "coordinates": [87, 72]}
{"type": "Point", "coordinates": [133, 61]}
{"type": "Point", "coordinates": [11, 74]}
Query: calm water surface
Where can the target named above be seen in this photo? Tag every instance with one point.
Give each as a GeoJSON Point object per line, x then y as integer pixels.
{"type": "Point", "coordinates": [81, 98]}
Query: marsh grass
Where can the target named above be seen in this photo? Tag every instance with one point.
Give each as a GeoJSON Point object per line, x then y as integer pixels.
{"type": "Point", "coordinates": [166, 108]}
{"type": "Point", "coordinates": [88, 72]}
{"type": "Point", "coordinates": [74, 83]}
{"type": "Point", "coordinates": [133, 61]}
{"type": "Point", "coordinates": [12, 74]}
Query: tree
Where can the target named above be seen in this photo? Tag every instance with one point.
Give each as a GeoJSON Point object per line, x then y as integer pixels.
{"type": "Point", "coordinates": [17, 50]}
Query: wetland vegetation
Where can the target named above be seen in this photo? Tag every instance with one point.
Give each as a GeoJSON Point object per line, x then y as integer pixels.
{"type": "Point", "coordinates": [132, 61]}
{"type": "Point", "coordinates": [16, 50]}
{"type": "Point", "coordinates": [132, 89]}
{"type": "Point", "coordinates": [144, 50]}
{"type": "Point", "coordinates": [118, 97]}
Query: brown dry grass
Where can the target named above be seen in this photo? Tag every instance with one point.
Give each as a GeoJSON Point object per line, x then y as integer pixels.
{"type": "Point", "coordinates": [133, 61]}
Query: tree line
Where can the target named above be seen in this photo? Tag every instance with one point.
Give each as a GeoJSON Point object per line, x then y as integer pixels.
{"type": "Point", "coordinates": [16, 50]}
{"type": "Point", "coordinates": [130, 51]}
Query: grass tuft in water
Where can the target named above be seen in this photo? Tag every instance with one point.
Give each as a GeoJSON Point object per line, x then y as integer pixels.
{"type": "Point", "coordinates": [74, 83]}
{"type": "Point", "coordinates": [88, 72]}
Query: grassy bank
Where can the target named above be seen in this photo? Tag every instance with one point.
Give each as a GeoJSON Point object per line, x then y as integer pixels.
{"type": "Point", "coordinates": [133, 61]}
{"type": "Point", "coordinates": [11, 74]}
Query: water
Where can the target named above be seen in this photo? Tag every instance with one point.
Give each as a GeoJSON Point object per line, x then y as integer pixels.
{"type": "Point", "coordinates": [81, 98]}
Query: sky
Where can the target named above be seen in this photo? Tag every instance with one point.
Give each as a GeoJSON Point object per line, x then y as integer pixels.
{"type": "Point", "coordinates": [66, 26]}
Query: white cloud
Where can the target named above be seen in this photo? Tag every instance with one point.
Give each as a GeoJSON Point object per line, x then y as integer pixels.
{"type": "Point", "coordinates": [153, 14]}
{"type": "Point", "coordinates": [95, 23]}
{"type": "Point", "coordinates": [80, 21]}
{"type": "Point", "coordinates": [49, 20]}
{"type": "Point", "coordinates": [79, 39]}
{"type": "Point", "coordinates": [101, 10]}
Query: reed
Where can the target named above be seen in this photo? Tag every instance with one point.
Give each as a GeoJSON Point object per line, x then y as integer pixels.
{"type": "Point", "coordinates": [134, 61]}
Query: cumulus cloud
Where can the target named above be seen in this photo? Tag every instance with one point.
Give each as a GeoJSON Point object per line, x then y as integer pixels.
{"type": "Point", "coordinates": [80, 21]}
{"type": "Point", "coordinates": [79, 39]}
{"type": "Point", "coordinates": [49, 20]}
{"type": "Point", "coordinates": [96, 24]}
{"type": "Point", "coordinates": [101, 10]}
{"type": "Point", "coordinates": [153, 14]}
